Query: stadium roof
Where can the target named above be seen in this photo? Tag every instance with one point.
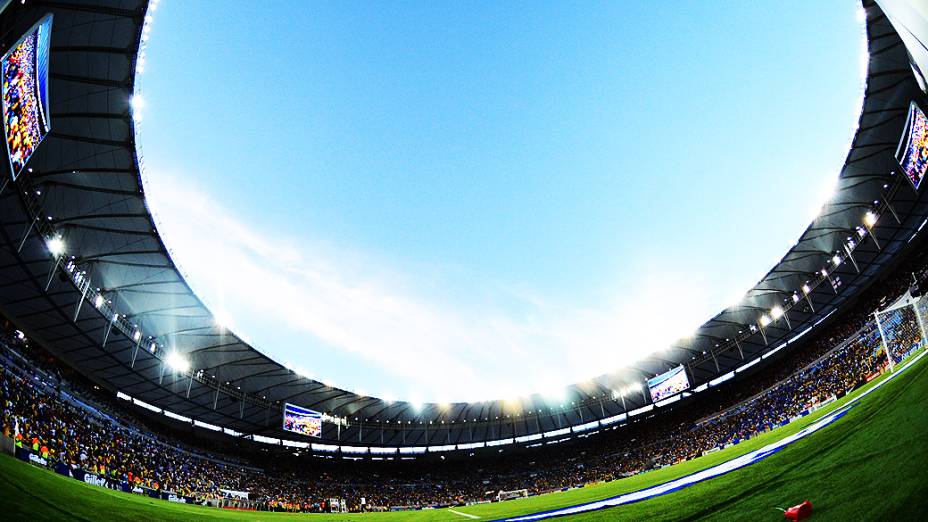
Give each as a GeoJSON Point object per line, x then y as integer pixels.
{"type": "Point", "coordinates": [114, 292]}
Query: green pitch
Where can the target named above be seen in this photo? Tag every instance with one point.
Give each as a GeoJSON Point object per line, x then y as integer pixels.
{"type": "Point", "coordinates": [871, 464]}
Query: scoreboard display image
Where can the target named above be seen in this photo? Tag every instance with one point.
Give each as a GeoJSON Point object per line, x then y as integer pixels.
{"type": "Point", "coordinates": [25, 94]}
{"type": "Point", "coordinates": [668, 384]}
{"type": "Point", "coordinates": [912, 153]}
{"type": "Point", "coordinates": [302, 421]}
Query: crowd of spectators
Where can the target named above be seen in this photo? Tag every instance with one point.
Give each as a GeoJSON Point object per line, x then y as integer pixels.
{"type": "Point", "coordinates": [66, 422]}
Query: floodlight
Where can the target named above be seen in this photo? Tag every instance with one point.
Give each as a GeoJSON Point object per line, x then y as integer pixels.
{"type": "Point", "coordinates": [870, 219]}
{"type": "Point", "coordinates": [776, 312]}
{"type": "Point", "coordinates": [177, 362]}
{"type": "Point", "coordinates": [836, 260]}
{"type": "Point", "coordinates": [557, 394]}
{"type": "Point", "coordinates": [764, 320]}
{"type": "Point", "coordinates": [55, 246]}
{"type": "Point", "coordinates": [806, 289]}
{"type": "Point", "coordinates": [136, 336]}
{"type": "Point", "coordinates": [98, 301]}
{"type": "Point", "coordinates": [221, 319]}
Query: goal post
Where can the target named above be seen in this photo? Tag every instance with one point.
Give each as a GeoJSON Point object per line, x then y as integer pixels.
{"type": "Point", "coordinates": [509, 495]}
{"type": "Point", "coordinates": [902, 328]}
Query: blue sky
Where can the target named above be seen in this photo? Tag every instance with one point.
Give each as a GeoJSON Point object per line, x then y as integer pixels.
{"type": "Point", "coordinates": [464, 201]}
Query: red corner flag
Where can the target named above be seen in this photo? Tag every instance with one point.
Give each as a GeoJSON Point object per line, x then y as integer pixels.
{"type": "Point", "coordinates": [799, 512]}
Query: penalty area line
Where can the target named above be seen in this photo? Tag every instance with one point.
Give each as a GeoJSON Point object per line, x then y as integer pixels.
{"type": "Point", "coordinates": [468, 515]}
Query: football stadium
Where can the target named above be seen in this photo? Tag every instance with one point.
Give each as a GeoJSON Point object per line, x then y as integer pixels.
{"type": "Point", "coordinates": [126, 396]}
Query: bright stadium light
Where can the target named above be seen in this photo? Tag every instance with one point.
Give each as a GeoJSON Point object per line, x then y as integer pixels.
{"type": "Point", "coordinates": [764, 320]}
{"type": "Point", "coordinates": [136, 336]}
{"type": "Point", "coordinates": [558, 394]}
{"type": "Point", "coordinates": [806, 289]}
{"type": "Point", "coordinates": [137, 103]}
{"type": "Point", "coordinates": [55, 246]}
{"type": "Point", "coordinates": [177, 362]}
{"type": "Point", "coordinates": [870, 219]}
{"type": "Point", "coordinates": [828, 192]}
{"type": "Point", "coordinates": [98, 301]}
{"type": "Point", "coordinates": [836, 260]}
{"type": "Point", "coordinates": [221, 319]}
{"type": "Point", "coordinates": [776, 312]}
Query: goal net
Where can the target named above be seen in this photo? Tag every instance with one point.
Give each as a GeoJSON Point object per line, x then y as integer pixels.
{"type": "Point", "coordinates": [508, 495]}
{"type": "Point", "coordinates": [901, 328]}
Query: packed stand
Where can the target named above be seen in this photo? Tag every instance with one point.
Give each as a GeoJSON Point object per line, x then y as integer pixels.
{"type": "Point", "coordinates": [42, 411]}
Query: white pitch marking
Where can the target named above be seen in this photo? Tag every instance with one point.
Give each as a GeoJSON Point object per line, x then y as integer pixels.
{"type": "Point", "coordinates": [714, 471]}
{"type": "Point", "coordinates": [468, 515]}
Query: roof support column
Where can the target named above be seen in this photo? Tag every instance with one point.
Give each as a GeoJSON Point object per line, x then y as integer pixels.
{"type": "Point", "coordinates": [26, 235]}
{"type": "Point", "coordinates": [218, 385]}
{"type": "Point", "coordinates": [51, 273]}
{"type": "Point", "coordinates": [850, 255]}
{"type": "Point", "coordinates": [135, 352]}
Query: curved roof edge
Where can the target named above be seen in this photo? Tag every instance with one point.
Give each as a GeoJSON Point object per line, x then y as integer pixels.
{"type": "Point", "coordinates": [117, 292]}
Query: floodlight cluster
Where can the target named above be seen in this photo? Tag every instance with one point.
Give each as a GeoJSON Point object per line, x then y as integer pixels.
{"type": "Point", "coordinates": [177, 362]}
{"type": "Point", "coordinates": [57, 247]}
{"type": "Point", "coordinates": [627, 391]}
{"type": "Point", "coordinates": [869, 220]}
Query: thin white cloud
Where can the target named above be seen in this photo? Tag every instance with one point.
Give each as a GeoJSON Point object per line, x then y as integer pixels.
{"type": "Point", "coordinates": [331, 309]}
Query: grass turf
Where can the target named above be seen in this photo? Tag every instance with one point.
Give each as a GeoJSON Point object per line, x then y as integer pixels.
{"type": "Point", "coordinates": [871, 464]}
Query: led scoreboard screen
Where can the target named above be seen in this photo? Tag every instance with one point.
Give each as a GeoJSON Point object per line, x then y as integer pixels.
{"type": "Point", "coordinates": [25, 94]}
{"type": "Point", "coordinates": [912, 153]}
{"type": "Point", "coordinates": [669, 383]}
{"type": "Point", "coordinates": [302, 421]}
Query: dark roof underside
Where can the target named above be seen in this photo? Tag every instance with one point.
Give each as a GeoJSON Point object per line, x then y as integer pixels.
{"type": "Point", "coordinates": [86, 186]}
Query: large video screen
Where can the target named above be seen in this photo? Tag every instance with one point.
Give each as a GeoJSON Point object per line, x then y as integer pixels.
{"type": "Point", "coordinates": [913, 147]}
{"type": "Point", "coordinates": [302, 421]}
{"type": "Point", "coordinates": [669, 383]}
{"type": "Point", "coordinates": [25, 94]}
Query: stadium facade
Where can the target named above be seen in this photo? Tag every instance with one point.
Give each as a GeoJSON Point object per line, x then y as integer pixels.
{"type": "Point", "coordinates": [85, 273]}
